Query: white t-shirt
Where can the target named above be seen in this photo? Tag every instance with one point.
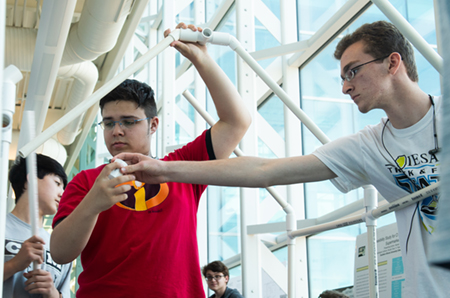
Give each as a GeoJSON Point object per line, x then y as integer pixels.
{"type": "Point", "coordinates": [361, 159]}
{"type": "Point", "coordinates": [17, 232]}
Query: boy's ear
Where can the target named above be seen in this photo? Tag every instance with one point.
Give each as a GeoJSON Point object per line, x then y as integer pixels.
{"type": "Point", "coordinates": [395, 60]}
{"type": "Point", "coordinates": [154, 123]}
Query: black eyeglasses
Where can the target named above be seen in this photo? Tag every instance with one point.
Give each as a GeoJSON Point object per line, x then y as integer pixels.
{"type": "Point", "coordinates": [124, 123]}
{"type": "Point", "coordinates": [350, 74]}
{"type": "Point", "coordinates": [216, 277]}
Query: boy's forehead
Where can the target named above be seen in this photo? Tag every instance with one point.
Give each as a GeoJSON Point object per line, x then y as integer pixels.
{"type": "Point", "coordinates": [53, 175]}
{"type": "Point", "coordinates": [353, 54]}
{"type": "Point", "coordinates": [122, 108]}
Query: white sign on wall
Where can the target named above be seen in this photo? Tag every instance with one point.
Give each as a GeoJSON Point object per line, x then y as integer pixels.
{"type": "Point", "coordinates": [391, 276]}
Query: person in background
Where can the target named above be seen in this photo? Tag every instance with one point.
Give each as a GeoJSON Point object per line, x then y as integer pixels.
{"type": "Point", "coordinates": [332, 294]}
{"type": "Point", "coordinates": [217, 276]}
{"type": "Point", "coordinates": [21, 247]}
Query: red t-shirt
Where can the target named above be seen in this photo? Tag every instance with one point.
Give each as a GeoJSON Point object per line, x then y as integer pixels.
{"type": "Point", "coordinates": [146, 246]}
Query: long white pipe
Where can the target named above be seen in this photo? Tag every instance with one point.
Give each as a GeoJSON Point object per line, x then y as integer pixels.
{"type": "Point", "coordinates": [376, 213]}
{"type": "Point", "coordinates": [96, 96]}
{"type": "Point", "coordinates": [10, 76]}
{"type": "Point", "coordinates": [411, 34]}
{"type": "Point", "coordinates": [339, 223]}
{"type": "Point", "coordinates": [282, 95]}
{"type": "Point", "coordinates": [332, 27]}
{"type": "Point", "coordinates": [226, 39]}
{"type": "Point", "coordinates": [344, 211]}
{"type": "Point", "coordinates": [371, 202]}
{"type": "Point", "coordinates": [33, 204]}
{"type": "Point", "coordinates": [407, 200]}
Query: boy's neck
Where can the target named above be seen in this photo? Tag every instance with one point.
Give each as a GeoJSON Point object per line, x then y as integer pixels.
{"type": "Point", "coordinates": [21, 211]}
{"type": "Point", "coordinates": [408, 109]}
{"type": "Point", "coordinates": [219, 293]}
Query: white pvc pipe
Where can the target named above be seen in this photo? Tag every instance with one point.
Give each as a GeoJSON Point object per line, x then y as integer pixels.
{"type": "Point", "coordinates": [98, 95]}
{"type": "Point", "coordinates": [291, 269]}
{"type": "Point", "coordinates": [411, 34]}
{"type": "Point", "coordinates": [226, 39]}
{"type": "Point", "coordinates": [333, 26]}
{"type": "Point", "coordinates": [406, 200]}
{"type": "Point", "coordinates": [344, 211]}
{"type": "Point", "coordinates": [371, 202]}
{"type": "Point", "coordinates": [376, 213]}
{"type": "Point", "coordinates": [343, 222]}
{"type": "Point", "coordinates": [33, 204]}
{"type": "Point", "coordinates": [282, 95]}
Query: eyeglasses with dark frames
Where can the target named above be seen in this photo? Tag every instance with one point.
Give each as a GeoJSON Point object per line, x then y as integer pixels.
{"type": "Point", "coordinates": [127, 123]}
{"type": "Point", "coordinates": [216, 277]}
{"type": "Point", "coordinates": [350, 74]}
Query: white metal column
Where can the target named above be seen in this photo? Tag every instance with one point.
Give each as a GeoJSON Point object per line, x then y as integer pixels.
{"type": "Point", "coordinates": [293, 145]}
{"type": "Point", "coordinates": [250, 252]}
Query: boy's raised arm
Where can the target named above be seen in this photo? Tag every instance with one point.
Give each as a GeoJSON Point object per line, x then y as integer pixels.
{"type": "Point", "coordinates": [234, 118]}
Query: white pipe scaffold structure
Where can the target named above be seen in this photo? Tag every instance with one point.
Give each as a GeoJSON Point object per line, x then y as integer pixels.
{"type": "Point", "coordinates": [208, 36]}
{"type": "Point", "coordinates": [401, 203]}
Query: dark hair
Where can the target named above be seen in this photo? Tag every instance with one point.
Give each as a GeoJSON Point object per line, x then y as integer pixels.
{"type": "Point", "coordinates": [134, 91]}
{"type": "Point", "coordinates": [45, 166]}
{"type": "Point", "coordinates": [216, 266]}
{"type": "Point", "coordinates": [332, 294]}
{"type": "Point", "coordinates": [381, 39]}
